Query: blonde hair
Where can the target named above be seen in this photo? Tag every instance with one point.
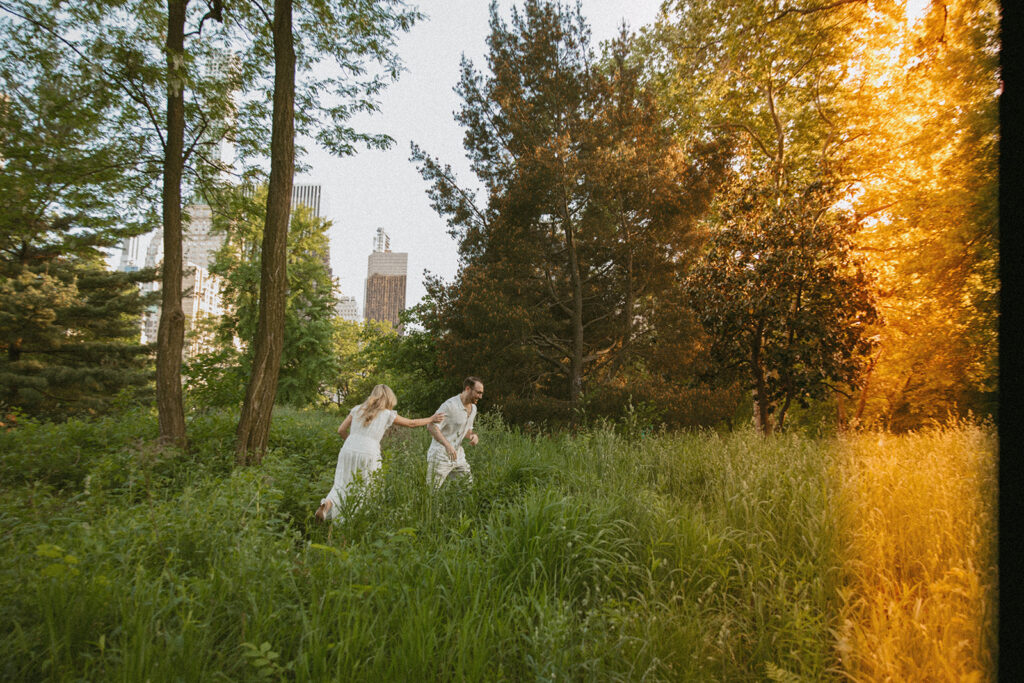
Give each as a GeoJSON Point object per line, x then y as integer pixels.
{"type": "Point", "coordinates": [381, 398]}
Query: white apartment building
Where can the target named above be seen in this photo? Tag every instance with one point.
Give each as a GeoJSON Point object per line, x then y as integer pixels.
{"type": "Point", "coordinates": [346, 308]}
{"type": "Point", "coordinates": [201, 288]}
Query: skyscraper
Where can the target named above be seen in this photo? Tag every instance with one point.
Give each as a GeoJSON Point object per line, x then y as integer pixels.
{"type": "Point", "coordinates": [130, 254]}
{"type": "Point", "coordinates": [307, 195]}
{"type": "Point", "coordinates": [385, 282]}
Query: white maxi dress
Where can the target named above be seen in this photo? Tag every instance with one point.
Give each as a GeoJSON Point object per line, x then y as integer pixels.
{"type": "Point", "coordinates": [359, 453]}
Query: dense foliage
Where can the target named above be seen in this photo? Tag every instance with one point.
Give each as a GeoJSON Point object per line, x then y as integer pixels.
{"type": "Point", "coordinates": [784, 302]}
{"type": "Point", "coordinates": [569, 269]}
{"type": "Point", "coordinates": [69, 328]}
{"type": "Point", "coordinates": [922, 106]}
{"type": "Point", "coordinates": [603, 177]}
{"type": "Point", "coordinates": [373, 353]}
{"type": "Point", "coordinates": [899, 111]}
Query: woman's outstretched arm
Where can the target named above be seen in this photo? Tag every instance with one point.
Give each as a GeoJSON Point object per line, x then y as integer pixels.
{"type": "Point", "coordinates": [343, 427]}
{"type": "Point", "coordinates": [419, 421]}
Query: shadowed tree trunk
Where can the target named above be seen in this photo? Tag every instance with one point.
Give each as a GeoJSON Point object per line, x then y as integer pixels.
{"type": "Point", "coordinates": [576, 362]}
{"type": "Point", "coordinates": [254, 423]}
{"type": "Point", "coordinates": [761, 405]}
{"type": "Point", "coordinates": [858, 416]}
{"type": "Point", "coordinates": [171, 333]}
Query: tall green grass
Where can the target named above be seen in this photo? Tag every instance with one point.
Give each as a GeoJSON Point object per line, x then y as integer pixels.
{"type": "Point", "coordinates": [597, 556]}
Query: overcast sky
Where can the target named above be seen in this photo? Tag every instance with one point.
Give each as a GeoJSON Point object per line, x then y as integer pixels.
{"type": "Point", "coordinates": [383, 189]}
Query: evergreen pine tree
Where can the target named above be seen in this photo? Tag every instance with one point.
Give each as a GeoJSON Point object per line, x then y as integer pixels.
{"type": "Point", "coordinates": [69, 328]}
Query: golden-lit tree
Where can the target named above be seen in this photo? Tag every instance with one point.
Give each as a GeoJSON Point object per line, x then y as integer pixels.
{"type": "Point", "coordinates": [920, 104]}
{"type": "Point", "coordinates": [784, 303]}
{"type": "Point", "coordinates": [897, 103]}
{"type": "Point", "coordinates": [761, 73]}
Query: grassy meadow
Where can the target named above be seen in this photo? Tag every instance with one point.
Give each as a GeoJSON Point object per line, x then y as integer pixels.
{"type": "Point", "coordinates": [611, 554]}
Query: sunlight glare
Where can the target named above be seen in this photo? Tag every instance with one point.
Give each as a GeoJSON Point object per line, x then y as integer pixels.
{"type": "Point", "coordinates": [915, 10]}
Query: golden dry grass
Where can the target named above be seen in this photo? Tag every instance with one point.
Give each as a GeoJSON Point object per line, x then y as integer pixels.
{"type": "Point", "coordinates": [918, 516]}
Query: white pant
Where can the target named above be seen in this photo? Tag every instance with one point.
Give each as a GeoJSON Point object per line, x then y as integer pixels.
{"type": "Point", "coordinates": [440, 466]}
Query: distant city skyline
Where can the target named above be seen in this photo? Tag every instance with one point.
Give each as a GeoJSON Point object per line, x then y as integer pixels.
{"type": "Point", "coordinates": [202, 289]}
{"type": "Point", "coordinates": [375, 188]}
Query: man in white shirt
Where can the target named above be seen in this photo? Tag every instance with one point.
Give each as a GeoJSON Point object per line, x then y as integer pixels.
{"type": "Point", "coordinates": [445, 454]}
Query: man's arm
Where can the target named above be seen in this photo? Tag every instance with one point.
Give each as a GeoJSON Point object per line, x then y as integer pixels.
{"type": "Point", "coordinates": [435, 432]}
{"type": "Point", "coordinates": [474, 439]}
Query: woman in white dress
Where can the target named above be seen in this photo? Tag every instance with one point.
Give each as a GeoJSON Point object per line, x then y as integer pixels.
{"type": "Point", "coordinates": [361, 450]}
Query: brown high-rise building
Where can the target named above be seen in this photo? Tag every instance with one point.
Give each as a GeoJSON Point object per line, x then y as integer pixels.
{"type": "Point", "coordinates": [385, 282]}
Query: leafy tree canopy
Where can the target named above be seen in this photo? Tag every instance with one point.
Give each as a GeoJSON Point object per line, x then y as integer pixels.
{"type": "Point", "coordinates": [899, 111]}
{"type": "Point", "coordinates": [69, 328]}
{"type": "Point", "coordinates": [374, 353]}
{"type": "Point", "coordinates": [589, 204]}
{"type": "Point", "coordinates": [785, 303]}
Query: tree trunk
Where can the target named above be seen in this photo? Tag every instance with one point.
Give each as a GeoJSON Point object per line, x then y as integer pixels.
{"type": "Point", "coordinates": [254, 422]}
{"type": "Point", "coordinates": [171, 334]}
{"type": "Point", "coordinates": [864, 390]}
{"type": "Point", "coordinates": [630, 299]}
{"type": "Point", "coordinates": [764, 423]}
{"type": "Point", "coordinates": [780, 422]}
{"type": "Point", "coordinates": [576, 362]}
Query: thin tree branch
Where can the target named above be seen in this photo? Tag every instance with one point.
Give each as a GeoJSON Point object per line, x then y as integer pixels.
{"type": "Point", "coordinates": [733, 125]}
{"type": "Point", "coordinates": [111, 76]}
{"type": "Point", "coordinates": [260, 8]}
{"type": "Point", "coordinates": [216, 13]}
{"type": "Point", "coordinates": [196, 139]}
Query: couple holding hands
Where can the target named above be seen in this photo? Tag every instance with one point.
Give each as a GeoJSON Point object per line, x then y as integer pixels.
{"type": "Point", "coordinates": [367, 422]}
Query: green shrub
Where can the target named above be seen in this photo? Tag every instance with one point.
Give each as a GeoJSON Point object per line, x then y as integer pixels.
{"type": "Point", "coordinates": [60, 454]}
